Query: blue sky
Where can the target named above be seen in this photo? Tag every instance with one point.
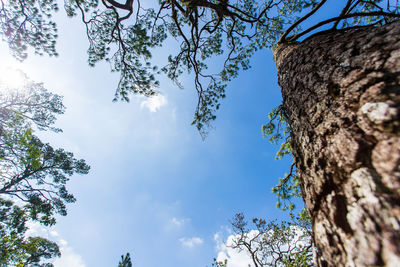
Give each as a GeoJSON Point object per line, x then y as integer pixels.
{"type": "Point", "coordinates": [155, 189]}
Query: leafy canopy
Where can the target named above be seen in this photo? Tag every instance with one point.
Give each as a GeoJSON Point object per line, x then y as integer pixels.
{"type": "Point", "coordinates": [272, 244]}
{"type": "Point", "coordinates": [15, 248]}
{"type": "Point", "coordinates": [33, 172]}
{"type": "Point", "coordinates": [125, 261]}
{"type": "Point", "coordinates": [124, 34]}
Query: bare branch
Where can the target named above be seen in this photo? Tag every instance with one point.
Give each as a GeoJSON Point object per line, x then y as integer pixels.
{"type": "Point", "coordinates": [294, 25]}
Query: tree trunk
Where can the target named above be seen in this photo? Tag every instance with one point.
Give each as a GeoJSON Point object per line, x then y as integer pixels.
{"type": "Point", "coordinates": [341, 92]}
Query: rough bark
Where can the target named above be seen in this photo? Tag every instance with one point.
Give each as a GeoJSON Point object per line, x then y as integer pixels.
{"type": "Point", "coordinates": [341, 92]}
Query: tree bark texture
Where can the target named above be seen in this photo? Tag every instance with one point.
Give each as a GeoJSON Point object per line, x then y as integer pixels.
{"type": "Point", "coordinates": [341, 92]}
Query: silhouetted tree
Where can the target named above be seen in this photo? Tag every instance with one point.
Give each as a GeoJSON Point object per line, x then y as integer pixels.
{"type": "Point", "coordinates": [125, 261]}
{"type": "Point", "coordinates": [33, 175]}
{"type": "Point", "coordinates": [33, 172]}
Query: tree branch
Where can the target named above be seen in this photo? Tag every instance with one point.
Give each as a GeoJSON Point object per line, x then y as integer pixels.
{"type": "Point", "coordinates": [294, 25]}
{"type": "Point", "coordinates": [369, 14]}
{"type": "Point", "coordinates": [127, 6]}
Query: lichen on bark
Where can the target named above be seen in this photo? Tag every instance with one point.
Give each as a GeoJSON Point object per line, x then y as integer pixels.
{"type": "Point", "coordinates": [341, 92]}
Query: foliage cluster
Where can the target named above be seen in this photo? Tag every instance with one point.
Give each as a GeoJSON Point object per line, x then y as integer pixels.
{"type": "Point", "coordinates": [124, 35]}
{"type": "Point", "coordinates": [271, 243]}
{"type": "Point", "coordinates": [17, 249]}
{"type": "Point", "coordinates": [125, 261]}
{"type": "Point", "coordinates": [33, 174]}
{"type": "Point", "coordinates": [278, 131]}
{"type": "Point", "coordinates": [32, 171]}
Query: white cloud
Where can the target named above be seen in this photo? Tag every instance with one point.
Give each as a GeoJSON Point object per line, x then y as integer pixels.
{"type": "Point", "coordinates": [178, 222]}
{"type": "Point", "coordinates": [35, 229]}
{"type": "Point", "coordinates": [68, 256]}
{"type": "Point", "coordinates": [235, 257]}
{"type": "Point", "coordinates": [63, 242]}
{"type": "Point", "coordinates": [190, 242]}
{"type": "Point", "coordinates": [54, 233]}
{"type": "Point", "coordinates": [154, 103]}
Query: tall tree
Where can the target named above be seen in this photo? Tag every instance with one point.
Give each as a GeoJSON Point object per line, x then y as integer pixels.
{"type": "Point", "coordinates": [125, 261]}
{"type": "Point", "coordinates": [341, 96]}
{"type": "Point", "coordinates": [33, 172]}
{"type": "Point", "coordinates": [339, 81]}
{"type": "Point", "coordinates": [15, 248]}
{"type": "Point", "coordinates": [272, 244]}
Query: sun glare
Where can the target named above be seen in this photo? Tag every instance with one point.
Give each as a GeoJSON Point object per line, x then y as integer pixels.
{"type": "Point", "coordinates": [12, 79]}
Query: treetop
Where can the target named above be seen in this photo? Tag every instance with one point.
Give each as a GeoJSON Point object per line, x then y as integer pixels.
{"type": "Point", "coordinates": [124, 34]}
